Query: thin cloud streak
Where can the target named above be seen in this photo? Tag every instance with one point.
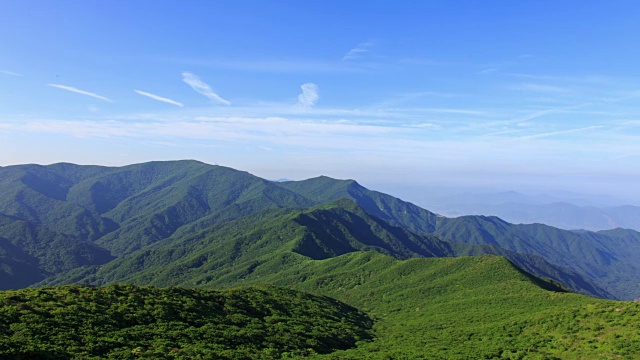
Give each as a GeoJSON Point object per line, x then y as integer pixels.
{"type": "Point", "coordinates": [309, 95]}
{"type": "Point", "coordinates": [543, 88]}
{"type": "Point", "coordinates": [562, 132]}
{"type": "Point", "coordinates": [78, 91]}
{"type": "Point", "coordinates": [7, 72]}
{"type": "Point", "coordinates": [267, 65]}
{"type": "Point", "coordinates": [159, 98]}
{"type": "Point", "coordinates": [357, 51]}
{"type": "Point", "coordinates": [202, 88]}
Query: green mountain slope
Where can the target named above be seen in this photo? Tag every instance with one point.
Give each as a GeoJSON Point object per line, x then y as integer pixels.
{"type": "Point", "coordinates": [602, 259]}
{"type": "Point", "coordinates": [268, 240]}
{"type": "Point", "coordinates": [456, 308]}
{"type": "Point", "coordinates": [608, 259]}
{"type": "Point", "coordinates": [129, 322]}
{"type": "Point", "coordinates": [395, 211]}
{"type": "Point", "coordinates": [29, 253]}
{"type": "Point", "coordinates": [466, 307]}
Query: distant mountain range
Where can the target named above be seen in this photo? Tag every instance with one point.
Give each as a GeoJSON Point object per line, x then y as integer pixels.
{"type": "Point", "coordinates": [563, 215]}
{"type": "Point", "coordinates": [65, 223]}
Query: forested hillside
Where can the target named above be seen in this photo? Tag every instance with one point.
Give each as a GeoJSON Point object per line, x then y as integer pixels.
{"type": "Point", "coordinates": [129, 322]}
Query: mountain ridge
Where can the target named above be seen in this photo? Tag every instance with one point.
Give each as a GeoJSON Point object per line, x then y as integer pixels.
{"type": "Point", "coordinates": [126, 209]}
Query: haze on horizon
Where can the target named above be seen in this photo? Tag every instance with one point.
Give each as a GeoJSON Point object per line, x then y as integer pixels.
{"type": "Point", "coordinates": [485, 95]}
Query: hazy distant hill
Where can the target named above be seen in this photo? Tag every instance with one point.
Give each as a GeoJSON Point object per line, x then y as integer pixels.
{"type": "Point", "coordinates": [168, 220]}
{"type": "Point", "coordinates": [559, 214]}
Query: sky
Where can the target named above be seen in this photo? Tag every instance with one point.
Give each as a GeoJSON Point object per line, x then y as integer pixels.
{"type": "Point", "coordinates": [507, 95]}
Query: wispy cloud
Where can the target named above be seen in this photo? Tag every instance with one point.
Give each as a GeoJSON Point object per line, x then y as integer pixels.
{"type": "Point", "coordinates": [78, 91]}
{"type": "Point", "coordinates": [593, 79]}
{"type": "Point", "coordinates": [7, 72]}
{"type": "Point", "coordinates": [542, 88]}
{"type": "Point", "coordinates": [202, 88]}
{"type": "Point", "coordinates": [504, 132]}
{"type": "Point", "coordinates": [537, 114]}
{"type": "Point", "coordinates": [562, 132]}
{"type": "Point", "coordinates": [357, 51]}
{"type": "Point", "coordinates": [159, 98]}
{"type": "Point", "coordinates": [309, 95]}
{"type": "Point", "coordinates": [487, 71]}
{"type": "Point", "coordinates": [422, 126]}
{"type": "Point", "coordinates": [410, 97]}
{"type": "Point", "coordinates": [291, 65]}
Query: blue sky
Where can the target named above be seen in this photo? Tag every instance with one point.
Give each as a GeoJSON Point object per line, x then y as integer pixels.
{"type": "Point", "coordinates": [500, 94]}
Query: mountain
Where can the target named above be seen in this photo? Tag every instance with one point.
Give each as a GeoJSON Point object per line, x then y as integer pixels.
{"type": "Point", "coordinates": [119, 210]}
{"type": "Point", "coordinates": [101, 219]}
{"type": "Point", "coordinates": [606, 259]}
{"type": "Point", "coordinates": [126, 321]}
{"type": "Point", "coordinates": [30, 252]}
{"type": "Point", "coordinates": [395, 211]}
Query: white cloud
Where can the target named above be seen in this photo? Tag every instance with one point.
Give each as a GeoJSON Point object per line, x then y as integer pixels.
{"type": "Point", "coordinates": [309, 95]}
{"type": "Point", "coordinates": [202, 88]}
{"type": "Point", "coordinates": [159, 98]}
{"type": "Point", "coordinates": [78, 91]}
{"type": "Point", "coordinates": [7, 72]}
{"type": "Point", "coordinates": [357, 51]}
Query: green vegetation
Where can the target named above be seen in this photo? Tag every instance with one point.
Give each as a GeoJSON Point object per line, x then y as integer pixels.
{"type": "Point", "coordinates": [607, 259]}
{"type": "Point", "coordinates": [129, 322]}
{"type": "Point", "coordinates": [466, 308]}
{"type": "Point", "coordinates": [225, 253]}
{"type": "Point", "coordinates": [436, 308]}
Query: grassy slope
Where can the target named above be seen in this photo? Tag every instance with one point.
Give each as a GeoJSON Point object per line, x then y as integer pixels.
{"type": "Point", "coordinates": [129, 322]}
{"type": "Point", "coordinates": [468, 307]}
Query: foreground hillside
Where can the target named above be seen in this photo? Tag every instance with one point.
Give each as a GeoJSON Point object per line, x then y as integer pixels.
{"type": "Point", "coordinates": [129, 322]}
{"type": "Point", "coordinates": [436, 308]}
